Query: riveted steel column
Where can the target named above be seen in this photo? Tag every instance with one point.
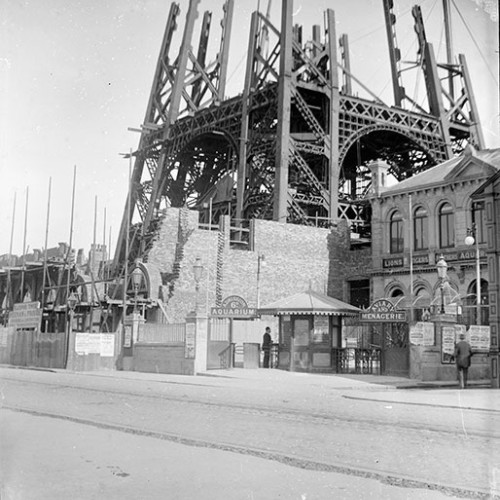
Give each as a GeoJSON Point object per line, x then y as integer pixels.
{"type": "Point", "coordinates": [476, 132]}
{"type": "Point", "coordinates": [154, 114]}
{"type": "Point", "coordinates": [333, 134]}
{"type": "Point", "coordinates": [284, 103]}
{"type": "Point", "coordinates": [227, 24]}
{"type": "Point", "coordinates": [184, 50]}
{"type": "Point", "coordinates": [242, 165]}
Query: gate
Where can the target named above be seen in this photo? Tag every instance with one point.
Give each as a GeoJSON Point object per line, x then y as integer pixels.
{"type": "Point", "coordinates": [395, 353]}
{"type": "Point", "coordinates": [219, 349]}
{"type": "Point", "coordinates": [227, 338]}
{"type": "Point", "coordinates": [377, 342]}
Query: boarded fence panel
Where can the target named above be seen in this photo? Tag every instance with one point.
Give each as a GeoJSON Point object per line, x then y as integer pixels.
{"type": "Point", "coordinates": [21, 351]}
{"type": "Point", "coordinates": [29, 348]}
{"type": "Point", "coordinates": [49, 350]}
{"type": "Point", "coordinates": [6, 334]}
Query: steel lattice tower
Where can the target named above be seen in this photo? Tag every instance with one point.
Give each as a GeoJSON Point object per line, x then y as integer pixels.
{"type": "Point", "coordinates": [293, 147]}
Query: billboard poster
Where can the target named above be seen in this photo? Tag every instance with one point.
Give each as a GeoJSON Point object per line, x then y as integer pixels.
{"type": "Point", "coordinates": [127, 337]}
{"type": "Point", "coordinates": [422, 333]}
{"type": "Point", "coordinates": [82, 343]}
{"type": "Point", "coordinates": [479, 338]}
{"type": "Point", "coordinates": [447, 344]}
{"type": "Point", "coordinates": [190, 339]}
{"type": "Point", "coordinates": [107, 347]}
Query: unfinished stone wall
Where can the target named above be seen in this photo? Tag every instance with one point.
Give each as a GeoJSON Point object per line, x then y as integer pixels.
{"type": "Point", "coordinates": [294, 258]}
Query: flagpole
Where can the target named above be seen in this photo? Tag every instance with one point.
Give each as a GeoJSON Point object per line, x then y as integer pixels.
{"type": "Point", "coordinates": [24, 244]}
{"type": "Point", "coordinates": [8, 302]}
{"type": "Point", "coordinates": [92, 263]}
{"type": "Point", "coordinates": [46, 243]}
{"type": "Point", "coordinates": [109, 251]}
{"type": "Point", "coordinates": [68, 331]}
{"type": "Point", "coordinates": [105, 251]}
{"type": "Point", "coordinates": [70, 234]}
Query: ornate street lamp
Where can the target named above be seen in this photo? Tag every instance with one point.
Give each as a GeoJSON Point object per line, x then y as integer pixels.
{"type": "Point", "coordinates": [136, 282]}
{"type": "Point", "coordinates": [197, 271]}
{"type": "Point", "coordinates": [71, 302]}
{"type": "Point", "coordinates": [442, 268]}
{"type": "Point", "coordinates": [470, 239]}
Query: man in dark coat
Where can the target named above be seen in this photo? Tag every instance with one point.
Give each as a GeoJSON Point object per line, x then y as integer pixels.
{"type": "Point", "coordinates": [463, 354]}
{"type": "Point", "coordinates": [266, 346]}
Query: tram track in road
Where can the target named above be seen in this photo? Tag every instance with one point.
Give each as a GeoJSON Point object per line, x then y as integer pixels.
{"type": "Point", "coordinates": [385, 477]}
{"type": "Point", "coordinates": [326, 417]}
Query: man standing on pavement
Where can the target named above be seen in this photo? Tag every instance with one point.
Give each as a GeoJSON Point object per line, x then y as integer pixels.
{"type": "Point", "coordinates": [463, 354]}
{"type": "Point", "coordinates": [266, 346]}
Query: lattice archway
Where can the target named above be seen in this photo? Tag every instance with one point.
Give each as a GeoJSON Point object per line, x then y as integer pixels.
{"type": "Point", "coordinates": [404, 154]}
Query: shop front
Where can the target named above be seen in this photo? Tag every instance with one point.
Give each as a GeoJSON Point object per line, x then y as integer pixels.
{"type": "Point", "coordinates": [310, 330]}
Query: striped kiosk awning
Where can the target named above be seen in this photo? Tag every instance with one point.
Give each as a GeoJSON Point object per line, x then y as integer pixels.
{"type": "Point", "coordinates": [309, 302]}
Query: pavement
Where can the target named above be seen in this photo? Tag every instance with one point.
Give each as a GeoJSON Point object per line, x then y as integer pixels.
{"type": "Point", "coordinates": [387, 389]}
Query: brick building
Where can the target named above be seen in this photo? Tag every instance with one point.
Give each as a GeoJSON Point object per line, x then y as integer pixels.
{"type": "Point", "coordinates": [429, 215]}
{"type": "Point", "coordinates": [489, 194]}
{"type": "Point", "coordinates": [426, 216]}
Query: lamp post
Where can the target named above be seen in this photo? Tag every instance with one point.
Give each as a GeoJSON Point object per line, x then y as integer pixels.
{"type": "Point", "coordinates": [442, 268]}
{"type": "Point", "coordinates": [260, 263]}
{"type": "Point", "coordinates": [71, 303]}
{"type": "Point", "coordinates": [136, 282]}
{"type": "Point", "coordinates": [197, 271]}
{"type": "Point", "coordinates": [470, 239]}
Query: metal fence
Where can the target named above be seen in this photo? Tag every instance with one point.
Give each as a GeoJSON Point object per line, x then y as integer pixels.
{"type": "Point", "coordinates": [162, 333]}
{"type": "Point", "coordinates": [357, 360]}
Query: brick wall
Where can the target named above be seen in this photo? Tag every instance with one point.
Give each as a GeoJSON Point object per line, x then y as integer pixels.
{"type": "Point", "coordinates": [295, 259]}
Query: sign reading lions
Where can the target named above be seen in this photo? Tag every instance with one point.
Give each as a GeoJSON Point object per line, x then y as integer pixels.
{"type": "Point", "coordinates": [233, 307]}
{"type": "Point", "coordinates": [383, 311]}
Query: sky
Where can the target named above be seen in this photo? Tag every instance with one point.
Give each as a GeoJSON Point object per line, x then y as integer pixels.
{"type": "Point", "coordinates": [75, 75]}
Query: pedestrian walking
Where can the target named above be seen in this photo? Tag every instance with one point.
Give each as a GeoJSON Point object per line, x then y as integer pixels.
{"type": "Point", "coordinates": [463, 354]}
{"type": "Point", "coordinates": [266, 346]}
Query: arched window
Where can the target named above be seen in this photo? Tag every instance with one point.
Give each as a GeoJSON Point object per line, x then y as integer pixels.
{"type": "Point", "coordinates": [446, 226]}
{"type": "Point", "coordinates": [479, 221]}
{"type": "Point", "coordinates": [396, 293]}
{"type": "Point", "coordinates": [420, 229]}
{"type": "Point", "coordinates": [421, 304]}
{"type": "Point", "coordinates": [396, 233]}
{"type": "Point", "coordinates": [471, 308]}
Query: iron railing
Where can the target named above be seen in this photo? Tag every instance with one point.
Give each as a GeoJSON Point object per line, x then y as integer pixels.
{"type": "Point", "coordinates": [357, 360]}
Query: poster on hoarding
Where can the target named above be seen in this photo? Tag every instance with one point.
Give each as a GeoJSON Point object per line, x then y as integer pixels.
{"type": "Point", "coordinates": [190, 339]}
{"type": "Point", "coordinates": [94, 343]}
{"type": "Point", "coordinates": [479, 338]}
{"type": "Point", "coordinates": [422, 333]}
{"type": "Point", "coordinates": [127, 337]}
{"type": "Point", "coordinates": [82, 343]}
{"type": "Point", "coordinates": [107, 345]}
{"type": "Point", "coordinates": [447, 344]}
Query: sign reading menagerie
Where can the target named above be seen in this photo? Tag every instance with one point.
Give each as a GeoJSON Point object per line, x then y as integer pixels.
{"type": "Point", "coordinates": [383, 311]}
